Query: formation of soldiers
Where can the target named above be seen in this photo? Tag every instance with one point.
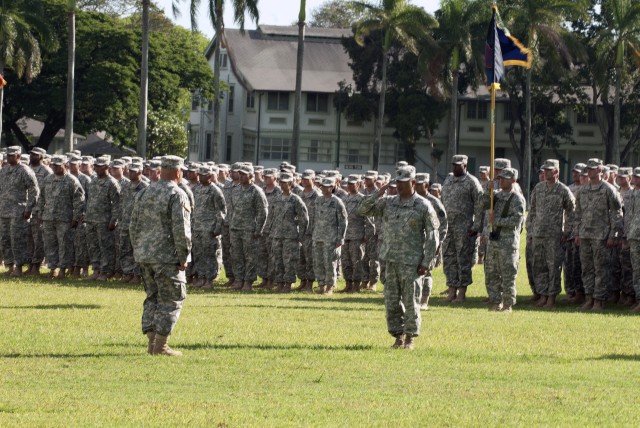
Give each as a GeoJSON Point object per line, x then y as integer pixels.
{"type": "Point", "coordinates": [72, 211]}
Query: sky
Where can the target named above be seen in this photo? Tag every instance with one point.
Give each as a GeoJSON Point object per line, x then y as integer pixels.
{"type": "Point", "coordinates": [272, 12]}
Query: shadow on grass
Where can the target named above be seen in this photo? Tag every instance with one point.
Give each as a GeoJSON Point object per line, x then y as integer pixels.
{"type": "Point", "coordinates": [272, 347]}
{"type": "Point", "coordinates": [59, 306]}
{"type": "Point", "coordinates": [298, 307]}
{"type": "Point", "coordinates": [617, 357]}
{"type": "Point", "coordinates": [16, 355]}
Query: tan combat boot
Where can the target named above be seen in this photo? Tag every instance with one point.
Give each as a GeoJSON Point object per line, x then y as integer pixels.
{"type": "Point", "coordinates": [246, 287]}
{"type": "Point", "coordinates": [102, 277]}
{"type": "Point", "coordinates": [269, 285]}
{"type": "Point", "coordinates": [162, 348]}
{"type": "Point", "coordinates": [635, 309]}
{"type": "Point", "coordinates": [348, 288]}
{"type": "Point", "coordinates": [126, 278]}
{"type": "Point", "coordinates": [116, 276]}
{"type": "Point", "coordinates": [52, 273]}
{"type": "Point", "coordinates": [598, 305]}
{"type": "Point", "coordinates": [551, 302]}
{"type": "Point", "coordinates": [614, 298]}
{"type": "Point", "coordinates": [451, 295]}
{"type": "Point", "coordinates": [399, 343]}
{"type": "Point", "coordinates": [229, 283]}
{"type": "Point", "coordinates": [588, 304]}
{"type": "Point", "coordinates": [408, 342]}
{"type": "Point", "coordinates": [329, 290]}
{"type": "Point", "coordinates": [461, 297]}
{"type": "Point", "coordinates": [152, 342]}
{"type": "Point", "coordinates": [135, 280]}
{"type": "Point", "coordinates": [94, 276]}
{"type": "Point", "coordinates": [535, 297]}
{"type": "Point", "coordinates": [237, 285]}
{"type": "Point", "coordinates": [579, 298]}
{"type": "Point", "coordinates": [62, 273]}
{"type": "Point", "coordinates": [507, 309]}
{"type": "Point", "coordinates": [308, 286]}
{"type": "Point", "coordinates": [286, 288]}
{"type": "Point", "coordinates": [17, 271]}
{"type": "Point", "coordinates": [321, 288]}
{"type": "Point", "coordinates": [301, 287]}
{"type": "Point", "coordinates": [207, 284]}
{"type": "Point", "coordinates": [424, 303]}
{"type": "Point", "coordinates": [496, 307]}
{"type": "Point", "coordinates": [35, 269]}
{"type": "Point", "coordinates": [372, 286]}
{"type": "Point", "coordinates": [541, 301]}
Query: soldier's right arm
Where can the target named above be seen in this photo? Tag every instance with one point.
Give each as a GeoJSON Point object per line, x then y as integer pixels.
{"type": "Point", "coordinates": [477, 194]}
{"type": "Point", "coordinates": [33, 190]}
{"type": "Point", "coordinates": [179, 207]}
{"type": "Point", "coordinates": [531, 217]}
{"type": "Point", "coordinates": [342, 221]}
{"type": "Point", "coordinates": [133, 221]}
{"type": "Point", "coordinates": [221, 210]}
{"type": "Point", "coordinates": [372, 205]}
{"type": "Point", "coordinates": [78, 199]}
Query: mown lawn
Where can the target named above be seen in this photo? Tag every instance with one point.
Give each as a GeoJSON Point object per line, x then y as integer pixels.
{"type": "Point", "coordinates": [72, 354]}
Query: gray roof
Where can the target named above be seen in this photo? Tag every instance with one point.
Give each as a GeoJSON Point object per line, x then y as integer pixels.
{"type": "Point", "coordinates": [265, 59]}
{"type": "Point", "coordinates": [94, 144]}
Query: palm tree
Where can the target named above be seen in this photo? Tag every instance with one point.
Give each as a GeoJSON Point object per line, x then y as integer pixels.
{"type": "Point", "coordinates": [620, 35]}
{"type": "Point", "coordinates": [298, 96]}
{"type": "Point", "coordinates": [23, 31]}
{"type": "Point", "coordinates": [71, 60]}
{"type": "Point", "coordinates": [400, 22]}
{"type": "Point", "coordinates": [216, 14]}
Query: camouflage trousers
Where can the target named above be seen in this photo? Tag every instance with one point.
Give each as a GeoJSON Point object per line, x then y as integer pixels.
{"type": "Point", "coordinates": [305, 262]}
{"type": "Point", "coordinates": [529, 256]}
{"type": "Point", "coordinates": [614, 270]}
{"type": "Point", "coordinates": [325, 262]}
{"type": "Point", "coordinates": [500, 270]}
{"type": "Point", "coordinates": [427, 285]}
{"type": "Point", "coordinates": [226, 252]}
{"type": "Point", "coordinates": [626, 270]}
{"type": "Point", "coordinates": [127, 262]}
{"type": "Point", "coordinates": [351, 256]}
{"type": "Point", "coordinates": [265, 267]}
{"type": "Point", "coordinates": [370, 263]}
{"type": "Point", "coordinates": [80, 247]}
{"type": "Point", "coordinates": [284, 258]}
{"type": "Point", "coordinates": [594, 256]}
{"type": "Point", "coordinates": [634, 250]}
{"type": "Point", "coordinates": [402, 293]}
{"type": "Point", "coordinates": [15, 247]}
{"type": "Point", "coordinates": [37, 242]}
{"type": "Point", "coordinates": [205, 262]}
{"type": "Point", "coordinates": [116, 247]}
{"type": "Point", "coordinates": [458, 257]}
{"type": "Point", "coordinates": [572, 270]}
{"type": "Point", "coordinates": [58, 244]}
{"type": "Point", "coordinates": [548, 255]}
{"type": "Point", "coordinates": [166, 290]}
{"type": "Point", "coordinates": [383, 264]}
{"type": "Point", "coordinates": [102, 251]}
{"type": "Point", "coordinates": [244, 254]}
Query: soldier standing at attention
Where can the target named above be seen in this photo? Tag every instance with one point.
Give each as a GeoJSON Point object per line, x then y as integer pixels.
{"type": "Point", "coordinates": [628, 296]}
{"type": "Point", "coordinates": [249, 214]}
{"type": "Point", "coordinates": [633, 236]}
{"type": "Point", "coordinates": [573, 287]}
{"type": "Point", "coordinates": [329, 228]}
{"type": "Point", "coordinates": [309, 196]}
{"type": "Point", "coordinates": [80, 249]}
{"type": "Point", "coordinates": [358, 227]}
{"type": "Point", "coordinates": [598, 223]}
{"type": "Point", "coordinates": [42, 171]}
{"type": "Point", "coordinates": [61, 206]}
{"type": "Point", "coordinates": [130, 268]}
{"type": "Point", "coordinates": [551, 205]}
{"type": "Point", "coordinates": [409, 248]}
{"type": "Point", "coordinates": [461, 194]}
{"type": "Point", "coordinates": [19, 193]}
{"type": "Point", "coordinates": [160, 232]}
{"type": "Point", "coordinates": [501, 263]}
{"type": "Point", "coordinates": [228, 187]}
{"type": "Point", "coordinates": [272, 191]}
{"type": "Point", "coordinates": [484, 178]}
{"type": "Point", "coordinates": [370, 263]}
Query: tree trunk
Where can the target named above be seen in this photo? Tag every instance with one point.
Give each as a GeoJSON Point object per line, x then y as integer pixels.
{"type": "Point", "coordinates": [216, 83]}
{"type": "Point", "coordinates": [380, 123]}
{"type": "Point", "coordinates": [1, 100]}
{"type": "Point", "coordinates": [144, 82]}
{"type": "Point", "coordinates": [453, 114]}
{"type": "Point", "coordinates": [615, 158]}
{"type": "Point", "coordinates": [295, 141]}
{"type": "Point", "coordinates": [71, 64]}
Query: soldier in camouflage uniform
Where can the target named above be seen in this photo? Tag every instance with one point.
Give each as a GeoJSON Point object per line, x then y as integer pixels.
{"type": "Point", "coordinates": [207, 221]}
{"type": "Point", "coordinates": [484, 177]}
{"type": "Point", "coordinates": [628, 296]}
{"type": "Point", "coordinates": [358, 227]}
{"type": "Point", "coordinates": [461, 194]}
{"type": "Point", "coordinates": [19, 193]}
{"type": "Point", "coordinates": [227, 190]}
{"type": "Point", "coordinates": [370, 262]}
{"type": "Point", "coordinates": [116, 170]}
{"type": "Point", "coordinates": [130, 269]}
{"type": "Point", "coordinates": [409, 249]}
{"type": "Point", "coordinates": [80, 248]}
{"type": "Point", "coordinates": [289, 220]}
{"type": "Point", "coordinates": [573, 287]}
{"type": "Point", "coordinates": [598, 222]}
{"type": "Point", "coordinates": [503, 248]}
{"type": "Point", "coordinates": [632, 212]}
{"type": "Point", "coordinates": [60, 206]}
{"type": "Point", "coordinates": [329, 228]}
{"type": "Point", "coordinates": [551, 204]}
{"type": "Point", "coordinates": [41, 171]}
{"type": "Point", "coordinates": [103, 210]}
{"type": "Point", "coordinates": [266, 269]}
{"type": "Point", "coordinates": [248, 208]}
{"type": "Point", "coordinates": [305, 264]}
{"type": "Point", "coordinates": [160, 232]}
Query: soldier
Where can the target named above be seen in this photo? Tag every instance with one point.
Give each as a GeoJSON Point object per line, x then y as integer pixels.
{"type": "Point", "coordinates": [501, 265]}
{"type": "Point", "coordinates": [329, 228]}
{"type": "Point", "coordinates": [370, 262]}
{"type": "Point", "coordinates": [154, 171]}
{"type": "Point", "coordinates": [628, 297]}
{"type": "Point", "coordinates": [80, 248]}
{"type": "Point", "coordinates": [436, 190]}
{"type": "Point", "coordinates": [258, 178]}
{"type": "Point", "coordinates": [305, 265]}
{"type": "Point", "coordinates": [227, 190]}
{"type": "Point", "coordinates": [160, 232]}
{"type": "Point", "coordinates": [411, 238]}
{"type": "Point", "coordinates": [289, 220]}
{"type": "Point", "coordinates": [116, 170]}
{"type": "Point", "coordinates": [272, 191]}
{"type": "Point", "coordinates": [42, 171]}
{"type": "Point", "coordinates": [207, 222]}
{"type": "Point", "coordinates": [598, 222]}
{"type": "Point", "coordinates": [192, 174]}
{"type": "Point", "coordinates": [485, 180]}
{"type": "Point", "coordinates": [461, 194]}
{"type": "Point", "coordinates": [551, 204]}
{"type": "Point", "coordinates": [60, 206]}
{"type": "Point", "coordinates": [19, 193]}
{"type": "Point", "coordinates": [573, 287]}
{"type": "Point", "coordinates": [633, 235]}
{"type": "Point", "coordinates": [103, 210]}
{"type": "Point", "coordinates": [422, 189]}
{"type": "Point", "coordinates": [130, 269]}
{"type": "Point", "coordinates": [249, 214]}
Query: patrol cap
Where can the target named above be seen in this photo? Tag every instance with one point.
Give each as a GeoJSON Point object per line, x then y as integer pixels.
{"type": "Point", "coordinates": [74, 159]}
{"type": "Point", "coordinates": [214, 169]}
{"type": "Point", "coordinates": [605, 169]}
{"type": "Point", "coordinates": [422, 177]}
{"type": "Point", "coordinates": [171, 162]}
{"type": "Point", "coordinates": [24, 158]}
{"type": "Point", "coordinates": [246, 168]}
{"type": "Point", "coordinates": [137, 159]}
{"type": "Point", "coordinates": [39, 151]}
{"type": "Point", "coordinates": [285, 177]}
{"type": "Point", "coordinates": [284, 164]}
{"type": "Point", "coordinates": [87, 160]}
{"type": "Point", "coordinates": [135, 166]}
{"type": "Point", "coordinates": [594, 163]}
{"type": "Point", "coordinates": [406, 173]}
{"type": "Point", "coordinates": [551, 164]}
{"type": "Point", "coordinates": [393, 183]}
{"type": "Point", "coordinates": [353, 179]}
{"type": "Point", "coordinates": [625, 172]}
{"type": "Point", "coordinates": [126, 159]}
{"type": "Point", "coordinates": [331, 173]}
{"type": "Point", "coordinates": [508, 173]}
{"type": "Point", "coordinates": [636, 171]}
{"type": "Point", "coordinates": [400, 164]}
{"type": "Point", "coordinates": [436, 186]}
{"type": "Point", "coordinates": [107, 156]}
{"type": "Point", "coordinates": [117, 163]}
{"type": "Point", "coordinates": [318, 179]}
{"type": "Point", "coordinates": [69, 154]}
{"type": "Point", "coordinates": [14, 150]}
{"type": "Point", "coordinates": [371, 174]}
{"type": "Point", "coordinates": [308, 173]}
{"type": "Point", "coordinates": [223, 167]}
{"type": "Point", "coordinates": [579, 167]}
{"type": "Point", "coordinates": [459, 159]}
{"type": "Point", "coordinates": [258, 168]}
{"type": "Point", "coordinates": [381, 178]}
{"type": "Point", "coordinates": [501, 163]}
{"type": "Point", "coordinates": [204, 170]}
{"type": "Point", "coordinates": [77, 152]}
{"type": "Point", "coordinates": [58, 160]}
{"type": "Point", "coordinates": [485, 169]}
{"type": "Point", "coordinates": [613, 167]}
{"type": "Point", "coordinates": [193, 167]}
{"type": "Point", "coordinates": [329, 181]}
{"type": "Point", "coordinates": [270, 172]}
{"type": "Point", "coordinates": [236, 166]}
{"type": "Point", "coordinates": [102, 161]}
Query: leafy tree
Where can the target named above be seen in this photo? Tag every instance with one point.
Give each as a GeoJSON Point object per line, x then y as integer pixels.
{"type": "Point", "coordinates": [166, 134]}
{"type": "Point", "coordinates": [335, 14]}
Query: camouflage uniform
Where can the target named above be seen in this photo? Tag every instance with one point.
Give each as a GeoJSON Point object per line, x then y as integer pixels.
{"type": "Point", "coordinates": [289, 220]}
{"type": "Point", "coordinates": [19, 193]}
{"type": "Point", "coordinates": [329, 228]}
{"type": "Point", "coordinates": [207, 223]}
{"type": "Point", "coordinates": [80, 247]}
{"type": "Point", "coordinates": [370, 262]}
{"type": "Point", "coordinates": [632, 227]}
{"type": "Point", "coordinates": [122, 183]}
{"type": "Point", "coordinates": [626, 269]}
{"type": "Point", "coordinates": [129, 193]}
{"type": "Point", "coordinates": [352, 252]}
{"type": "Point", "coordinates": [160, 232]}
{"type": "Point", "coordinates": [266, 268]}
{"type": "Point", "coordinates": [411, 239]}
{"type": "Point", "coordinates": [36, 239]}
{"type": "Point", "coordinates": [248, 209]}
{"type": "Point", "coordinates": [61, 201]}
{"type": "Point", "coordinates": [461, 200]}
{"type": "Point", "coordinates": [427, 285]}
{"type": "Point", "coordinates": [572, 268]}
{"type": "Point", "coordinates": [550, 206]}
{"type": "Point", "coordinates": [103, 208]}
{"type": "Point", "coordinates": [227, 190]}
{"type": "Point", "coordinates": [305, 265]}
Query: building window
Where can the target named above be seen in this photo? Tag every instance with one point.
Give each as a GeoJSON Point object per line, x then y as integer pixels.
{"type": "Point", "coordinates": [476, 110]}
{"type": "Point", "coordinates": [391, 153]}
{"type": "Point", "coordinates": [210, 106]}
{"type": "Point", "coordinates": [232, 92]}
{"type": "Point", "coordinates": [278, 101]}
{"type": "Point", "coordinates": [355, 152]}
{"type": "Point", "coordinates": [251, 100]}
{"type": "Point", "coordinates": [587, 117]}
{"type": "Point", "coordinates": [316, 151]}
{"type": "Point", "coordinates": [507, 113]}
{"type": "Point", "coordinates": [249, 149]}
{"type": "Point", "coordinates": [208, 147]}
{"type": "Point", "coordinates": [193, 139]}
{"type": "Point", "coordinates": [275, 148]}
{"type": "Point", "coordinates": [317, 102]}
{"type": "Point", "coordinates": [227, 153]}
{"type": "Point", "coordinates": [223, 60]}
{"type": "Point", "coordinates": [195, 103]}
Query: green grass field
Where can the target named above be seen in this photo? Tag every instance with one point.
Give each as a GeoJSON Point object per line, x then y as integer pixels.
{"type": "Point", "coordinates": [72, 354]}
